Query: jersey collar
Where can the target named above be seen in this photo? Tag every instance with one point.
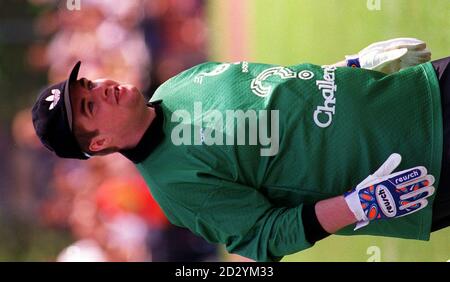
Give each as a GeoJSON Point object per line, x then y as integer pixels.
{"type": "Point", "coordinates": [151, 138]}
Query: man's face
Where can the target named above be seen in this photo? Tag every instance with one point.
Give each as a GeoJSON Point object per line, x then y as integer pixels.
{"type": "Point", "coordinates": [112, 108]}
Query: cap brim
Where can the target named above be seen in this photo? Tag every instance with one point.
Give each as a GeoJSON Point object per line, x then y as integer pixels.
{"type": "Point", "coordinates": [67, 103]}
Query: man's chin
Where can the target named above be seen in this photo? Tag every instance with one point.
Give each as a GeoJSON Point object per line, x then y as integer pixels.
{"type": "Point", "coordinates": [129, 94]}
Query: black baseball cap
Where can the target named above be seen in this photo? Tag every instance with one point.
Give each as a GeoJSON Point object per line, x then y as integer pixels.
{"type": "Point", "coordinates": [53, 120]}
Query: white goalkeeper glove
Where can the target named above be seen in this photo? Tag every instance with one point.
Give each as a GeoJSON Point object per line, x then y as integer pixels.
{"type": "Point", "coordinates": [391, 55]}
{"type": "Point", "coordinates": [384, 195]}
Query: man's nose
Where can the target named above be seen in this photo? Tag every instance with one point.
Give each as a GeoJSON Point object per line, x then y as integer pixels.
{"type": "Point", "coordinates": [101, 92]}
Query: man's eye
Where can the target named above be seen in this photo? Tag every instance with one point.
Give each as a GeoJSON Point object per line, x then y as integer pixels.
{"type": "Point", "coordinates": [90, 85]}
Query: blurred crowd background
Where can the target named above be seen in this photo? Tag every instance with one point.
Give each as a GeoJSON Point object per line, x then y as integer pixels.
{"type": "Point", "coordinates": [99, 210]}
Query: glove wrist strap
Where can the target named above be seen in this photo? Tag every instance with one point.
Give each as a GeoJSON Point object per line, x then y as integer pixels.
{"type": "Point", "coordinates": [353, 62]}
{"type": "Point", "coordinates": [354, 204]}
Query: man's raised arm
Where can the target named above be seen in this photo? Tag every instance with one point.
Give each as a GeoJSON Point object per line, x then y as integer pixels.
{"type": "Point", "coordinates": [389, 56]}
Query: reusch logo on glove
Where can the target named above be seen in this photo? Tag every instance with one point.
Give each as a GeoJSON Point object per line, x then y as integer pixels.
{"type": "Point", "coordinates": [407, 177]}
{"type": "Point", "coordinates": [386, 201]}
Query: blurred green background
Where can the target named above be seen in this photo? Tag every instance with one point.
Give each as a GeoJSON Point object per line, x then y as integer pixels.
{"type": "Point", "coordinates": [322, 32]}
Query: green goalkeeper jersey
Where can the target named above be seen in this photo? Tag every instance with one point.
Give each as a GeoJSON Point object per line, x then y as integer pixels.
{"type": "Point", "coordinates": [247, 145]}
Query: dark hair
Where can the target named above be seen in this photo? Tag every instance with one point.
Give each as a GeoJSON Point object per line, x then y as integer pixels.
{"type": "Point", "coordinates": [84, 138]}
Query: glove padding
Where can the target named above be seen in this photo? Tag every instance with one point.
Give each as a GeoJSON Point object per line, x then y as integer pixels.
{"type": "Point", "coordinates": [392, 55]}
{"type": "Point", "coordinates": [383, 195]}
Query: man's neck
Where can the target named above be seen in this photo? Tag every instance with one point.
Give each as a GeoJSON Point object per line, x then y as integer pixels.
{"type": "Point", "coordinates": [149, 135]}
{"type": "Point", "coordinates": [146, 120]}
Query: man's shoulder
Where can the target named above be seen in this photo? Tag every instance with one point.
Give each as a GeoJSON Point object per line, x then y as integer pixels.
{"type": "Point", "coordinates": [182, 79]}
{"type": "Point", "coordinates": [195, 70]}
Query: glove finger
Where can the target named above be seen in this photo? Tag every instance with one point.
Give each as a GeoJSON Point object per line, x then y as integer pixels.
{"type": "Point", "coordinates": [392, 55]}
{"type": "Point", "coordinates": [408, 61]}
{"type": "Point", "coordinates": [385, 169]}
{"type": "Point", "coordinates": [403, 42]}
{"type": "Point", "coordinates": [388, 62]}
{"type": "Point", "coordinates": [405, 177]}
{"type": "Point", "coordinates": [416, 184]}
{"type": "Point", "coordinates": [374, 46]}
{"type": "Point", "coordinates": [417, 55]}
{"type": "Point", "coordinates": [388, 45]}
{"type": "Point", "coordinates": [421, 59]}
{"type": "Point", "coordinates": [395, 41]}
{"type": "Point", "coordinates": [424, 181]}
{"type": "Point", "coordinates": [413, 206]}
{"type": "Point", "coordinates": [421, 53]}
{"type": "Point", "coordinates": [365, 182]}
{"type": "Point", "coordinates": [389, 165]}
{"type": "Point", "coordinates": [419, 193]}
{"type": "Point", "coordinates": [412, 61]}
{"type": "Point", "coordinates": [411, 47]}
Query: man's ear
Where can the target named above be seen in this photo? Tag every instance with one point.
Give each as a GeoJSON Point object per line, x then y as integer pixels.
{"type": "Point", "coordinates": [99, 143]}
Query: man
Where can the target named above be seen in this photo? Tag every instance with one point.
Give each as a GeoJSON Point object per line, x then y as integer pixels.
{"type": "Point", "coordinates": [259, 157]}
